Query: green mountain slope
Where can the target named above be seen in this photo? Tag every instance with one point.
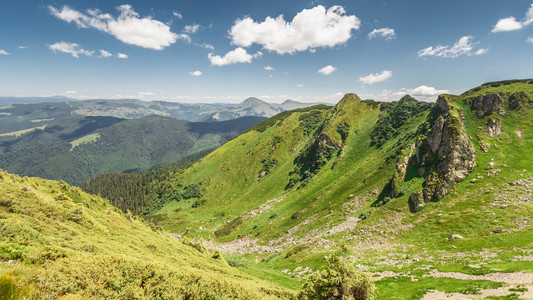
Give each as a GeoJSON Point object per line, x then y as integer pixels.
{"type": "Point", "coordinates": [79, 148]}
{"type": "Point", "coordinates": [385, 184]}
{"type": "Point", "coordinates": [58, 242]}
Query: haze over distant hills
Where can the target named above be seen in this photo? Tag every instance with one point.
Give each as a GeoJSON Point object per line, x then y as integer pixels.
{"type": "Point", "coordinates": [36, 108]}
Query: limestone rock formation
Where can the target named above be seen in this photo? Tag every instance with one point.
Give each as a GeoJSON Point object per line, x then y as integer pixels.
{"type": "Point", "coordinates": [447, 154]}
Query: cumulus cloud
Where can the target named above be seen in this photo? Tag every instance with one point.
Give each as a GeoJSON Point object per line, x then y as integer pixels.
{"type": "Point", "coordinates": [507, 24]}
{"type": "Point", "coordinates": [239, 55]}
{"type": "Point", "coordinates": [422, 91]}
{"type": "Point", "coordinates": [70, 48]}
{"type": "Point", "coordinates": [387, 33]}
{"type": "Point", "coordinates": [195, 73]}
{"type": "Point", "coordinates": [327, 70]}
{"type": "Point", "coordinates": [128, 27]}
{"type": "Point", "coordinates": [376, 77]}
{"type": "Point", "coordinates": [3, 52]}
{"type": "Point", "coordinates": [511, 24]}
{"type": "Point", "coordinates": [71, 92]}
{"type": "Point", "coordinates": [530, 40]}
{"type": "Point", "coordinates": [22, 47]}
{"type": "Point", "coordinates": [464, 46]}
{"type": "Point", "coordinates": [104, 53]}
{"type": "Point", "coordinates": [191, 28]}
{"type": "Point", "coordinates": [269, 68]}
{"type": "Point", "coordinates": [309, 29]}
{"type": "Point", "coordinates": [122, 55]}
{"type": "Point", "coordinates": [299, 85]}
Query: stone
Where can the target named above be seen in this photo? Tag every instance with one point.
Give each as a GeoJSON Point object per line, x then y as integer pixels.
{"type": "Point", "coordinates": [455, 237]}
{"type": "Point", "coordinates": [416, 202]}
{"type": "Point", "coordinates": [487, 104]}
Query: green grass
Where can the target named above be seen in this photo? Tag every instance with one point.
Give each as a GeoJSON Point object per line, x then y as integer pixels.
{"type": "Point", "coordinates": [62, 242]}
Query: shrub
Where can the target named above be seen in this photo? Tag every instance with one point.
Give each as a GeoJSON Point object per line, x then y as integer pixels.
{"type": "Point", "coordinates": [338, 280]}
{"type": "Point", "coordinates": [364, 215]}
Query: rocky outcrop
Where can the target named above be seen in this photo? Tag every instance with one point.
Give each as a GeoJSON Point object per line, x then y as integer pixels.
{"type": "Point", "coordinates": [494, 126]}
{"type": "Point", "coordinates": [447, 154]}
{"type": "Point", "coordinates": [416, 202]}
{"type": "Point", "coordinates": [519, 101]}
{"type": "Point", "coordinates": [487, 104]}
{"type": "Point", "coordinates": [493, 105]}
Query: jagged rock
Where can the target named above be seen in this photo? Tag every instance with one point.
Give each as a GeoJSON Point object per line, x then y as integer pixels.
{"type": "Point", "coordinates": [494, 127]}
{"type": "Point", "coordinates": [489, 103]}
{"type": "Point", "coordinates": [456, 156]}
{"type": "Point", "coordinates": [455, 237]}
{"type": "Point", "coordinates": [416, 202]}
{"type": "Point", "coordinates": [435, 137]}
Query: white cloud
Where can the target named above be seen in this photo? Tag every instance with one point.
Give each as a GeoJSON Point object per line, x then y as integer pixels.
{"type": "Point", "coordinates": [70, 48]}
{"type": "Point", "coordinates": [146, 93]}
{"type": "Point", "coordinates": [327, 70]}
{"type": "Point", "coordinates": [128, 27]}
{"type": "Point", "coordinates": [387, 33]}
{"type": "Point", "coordinates": [195, 73]}
{"type": "Point", "coordinates": [71, 92]}
{"type": "Point", "coordinates": [206, 46]}
{"type": "Point", "coordinates": [529, 15]}
{"type": "Point", "coordinates": [3, 52]}
{"type": "Point", "coordinates": [377, 77]}
{"type": "Point", "coordinates": [239, 55]}
{"type": "Point", "coordinates": [481, 51]}
{"type": "Point", "coordinates": [191, 28]}
{"type": "Point", "coordinates": [269, 75]}
{"type": "Point", "coordinates": [104, 53]}
{"type": "Point", "coordinates": [177, 14]}
{"type": "Point", "coordinates": [299, 85]}
{"type": "Point", "coordinates": [422, 91]}
{"type": "Point", "coordinates": [309, 29]}
{"type": "Point", "coordinates": [22, 47]}
{"type": "Point", "coordinates": [122, 55]}
{"type": "Point", "coordinates": [269, 68]}
{"type": "Point", "coordinates": [507, 24]}
{"type": "Point", "coordinates": [511, 24]}
{"type": "Point", "coordinates": [530, 40]}
{"type": "Point", "coordinates": [464, 46]}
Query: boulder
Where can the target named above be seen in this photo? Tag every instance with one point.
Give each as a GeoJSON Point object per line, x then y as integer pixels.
{"type": "Point", "coordinates": [455, 237]}
{"type": "Point", "coordinates": [416, 202]}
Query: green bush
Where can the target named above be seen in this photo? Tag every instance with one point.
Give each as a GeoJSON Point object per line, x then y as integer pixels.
{"type": "Point", "coordinates": [339, 280]}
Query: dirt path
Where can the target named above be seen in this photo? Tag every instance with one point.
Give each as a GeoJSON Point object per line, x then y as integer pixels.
{"type": "Point", "coordinates": [499, 292]}
{"type": "Point", "coordinates": [509, 278]}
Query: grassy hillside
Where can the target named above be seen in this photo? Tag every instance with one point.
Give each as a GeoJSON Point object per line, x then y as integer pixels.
{"type": "Point", "coordinates": [79, 148]}
{"type": "Point", "coordinates": [316, 181]}
{"type": "Point", "coordinates": [58, 242]}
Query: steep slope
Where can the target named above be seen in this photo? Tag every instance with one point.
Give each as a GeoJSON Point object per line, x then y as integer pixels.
{"type": "Point", "coordinates": [58, 242]}
{"type": "Point", "coordinates": [79, 148]}
{"type": "Point", "coordinates": [341, 180]}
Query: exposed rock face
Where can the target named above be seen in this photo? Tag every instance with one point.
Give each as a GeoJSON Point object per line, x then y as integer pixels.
{"type": "Point", "coordinates": [494, 127]}
{"type": "Point", "coordinates": [416, 202]}
{"type": "Point", "coordinates": [487, 104]}
{"type": "Point", "coordinates": [447, 153]}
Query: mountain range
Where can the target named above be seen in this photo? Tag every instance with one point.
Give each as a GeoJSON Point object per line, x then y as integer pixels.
{"type": "Point", "coordinates": [410, 191]}
{"type": "Point", "coordinates": [430, 200]}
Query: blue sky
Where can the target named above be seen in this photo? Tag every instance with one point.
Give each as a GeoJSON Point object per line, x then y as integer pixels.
{"type": "Point", "coordinates": [225, 51]}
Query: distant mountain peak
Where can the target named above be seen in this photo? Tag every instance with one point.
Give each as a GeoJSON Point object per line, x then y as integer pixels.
{"type": "Point", "coordinates": [252, 101]}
